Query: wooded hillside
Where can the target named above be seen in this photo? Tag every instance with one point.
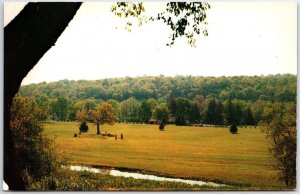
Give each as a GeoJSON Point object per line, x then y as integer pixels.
{"type": "Point", "coordinates": [181, 99]}
{"type": "Point", "coordinates": [279, 88]}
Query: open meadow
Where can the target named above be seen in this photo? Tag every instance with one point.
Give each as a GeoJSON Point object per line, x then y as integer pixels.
{"type": "Point", "coordinates": [201, 153]}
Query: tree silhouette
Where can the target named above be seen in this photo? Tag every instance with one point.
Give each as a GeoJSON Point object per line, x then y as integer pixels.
{"type": "Point", "coordinates": [211, 112]}
{"type": "Point", "coordinates": [195, 116]}
{"type": "Point", "coordinates": [249, 119]}
{"type": "Point", "coordinates": [26, 39]}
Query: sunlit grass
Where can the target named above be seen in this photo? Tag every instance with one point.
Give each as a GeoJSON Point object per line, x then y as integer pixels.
{"type": "Point", "coordinates": [205, 153]}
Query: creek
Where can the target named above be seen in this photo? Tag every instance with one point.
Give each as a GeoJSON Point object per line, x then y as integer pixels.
{"type": "Point", "coordinates": [135, 175]}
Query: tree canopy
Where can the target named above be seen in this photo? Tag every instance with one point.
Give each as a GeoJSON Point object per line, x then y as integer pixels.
{"type": "Point", "coordinates": [104, 113]}
{"type": "Point", "coordinates": [185, 19]}
{"type": "Point", "coordinates": [36, 153]}
{"type": "Point", "coordinates": [281, 129]}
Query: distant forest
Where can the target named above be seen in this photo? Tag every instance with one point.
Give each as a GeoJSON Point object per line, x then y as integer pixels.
{"type": "Point", "coordinates": [63, 99]}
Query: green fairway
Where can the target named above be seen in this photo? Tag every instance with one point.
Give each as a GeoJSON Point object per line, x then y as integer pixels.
{"type": "Point", "coordinates": [203, 153]}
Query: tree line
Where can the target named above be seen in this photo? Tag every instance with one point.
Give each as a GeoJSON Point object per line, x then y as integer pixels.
{"type": "Point", "coordinates": [248, 88]}
{"type": "Point", "coordinates": [180, 111]}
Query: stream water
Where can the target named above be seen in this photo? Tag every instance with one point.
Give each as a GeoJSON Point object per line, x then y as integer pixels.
{"type": "Point", "coordinates": [144, 176]}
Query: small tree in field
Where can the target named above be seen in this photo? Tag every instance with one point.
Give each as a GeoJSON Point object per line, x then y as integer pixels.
{"type": "Point", "coordinates": [103, 114]}
{"type": "Point", "coordinates": [233, 129]}
{"type": "Point", "coordinates": [161, 126]}
{"type": "Point", "coordinates": [83, 127]}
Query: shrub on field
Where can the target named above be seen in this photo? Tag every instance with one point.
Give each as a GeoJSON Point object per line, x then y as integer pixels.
{"type": "Point", "coordinates": [83, 127]}
{"type": "Point", "coordinates": [161, 127]}
{"type": "Point", "coordinates": [233, 129]}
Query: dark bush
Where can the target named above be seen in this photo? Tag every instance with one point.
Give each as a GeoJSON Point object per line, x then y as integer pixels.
{"type": "Point", "coordinates": [233, 129]}
{"type": "Point", "coordinates": [161, 126]}
{"type": "Point", "coordinates": [83, 127]}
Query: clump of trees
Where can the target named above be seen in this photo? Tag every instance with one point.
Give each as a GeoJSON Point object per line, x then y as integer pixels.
{"type": "Point", "coordinates": [180, 108]}
{"type": "Point", "coordinates": [214, 113]}
{"type": "Point", "coordinates": [37, 156]}
{"type": "Point", "coordinates": [146, 109]}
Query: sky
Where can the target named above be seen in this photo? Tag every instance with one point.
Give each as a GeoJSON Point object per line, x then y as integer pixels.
{"type": "Point", "coordinates": [245, 38]}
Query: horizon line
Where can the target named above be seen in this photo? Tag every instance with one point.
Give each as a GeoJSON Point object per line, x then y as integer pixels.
{"type": "Point", "coordinates": [161, 75]}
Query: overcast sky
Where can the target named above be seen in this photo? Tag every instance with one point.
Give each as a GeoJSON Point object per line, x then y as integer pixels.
{"type": "Point", "coordinates": [247, 38]}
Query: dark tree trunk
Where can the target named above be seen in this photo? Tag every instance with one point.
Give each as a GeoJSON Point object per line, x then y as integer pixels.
{"type": "Point", "coordinates": [26, 39]}
{"type": "Point", "coordinates": [98, 128]}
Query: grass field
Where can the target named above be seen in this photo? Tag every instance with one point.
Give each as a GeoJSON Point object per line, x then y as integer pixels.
{"type": "Point", "coordinates": [203, 153]}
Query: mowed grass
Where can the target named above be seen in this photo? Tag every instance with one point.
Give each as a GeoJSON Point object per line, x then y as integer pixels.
{"type": "Point", "coordinates": [203, 153]}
